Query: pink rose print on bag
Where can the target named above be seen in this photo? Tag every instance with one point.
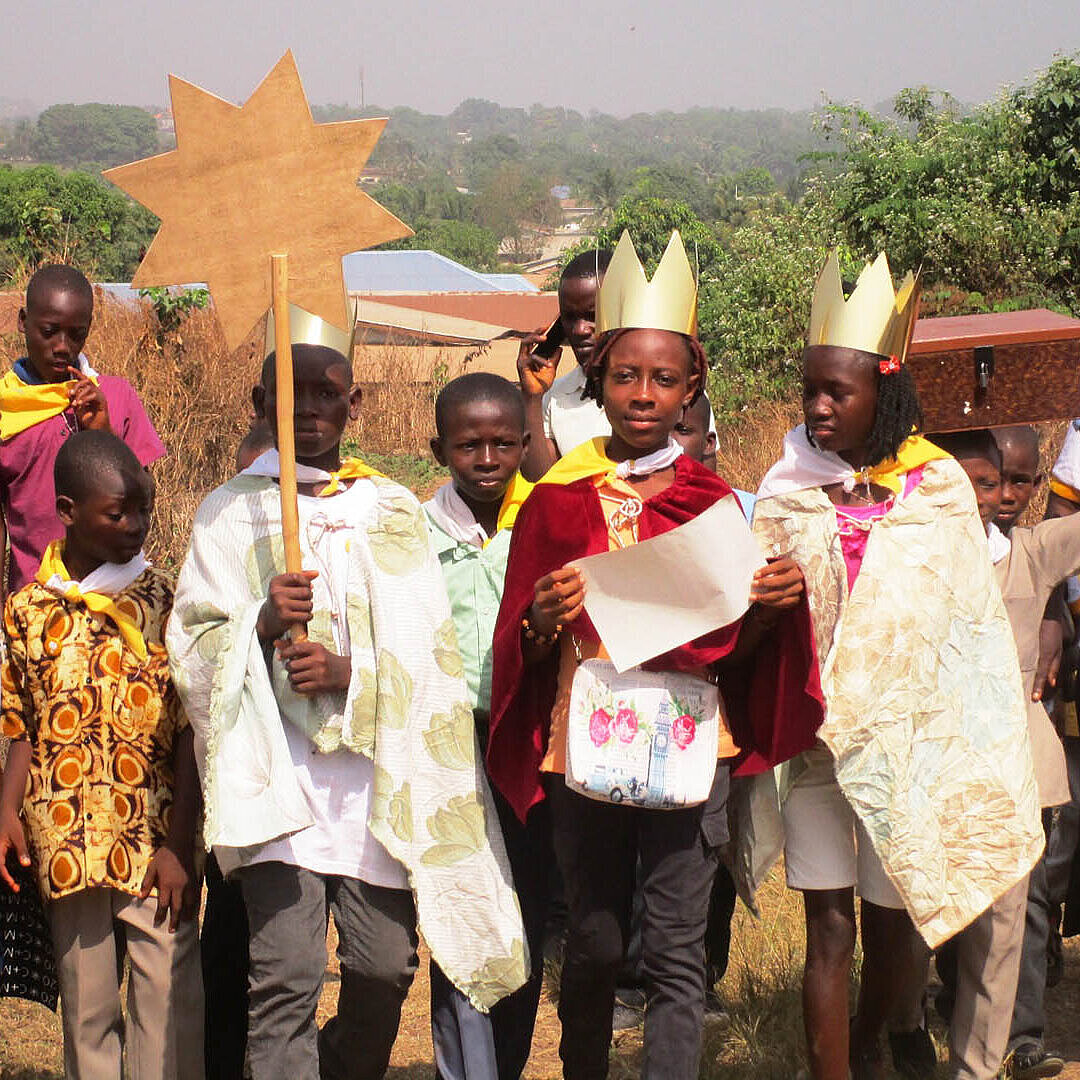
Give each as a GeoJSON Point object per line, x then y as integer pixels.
{"type": "Point", "coordinates": [626, 724]}
{"type": "Point", "coordinates": [683, 731]}
{"type": "Point", "coordinates": [600, 727]}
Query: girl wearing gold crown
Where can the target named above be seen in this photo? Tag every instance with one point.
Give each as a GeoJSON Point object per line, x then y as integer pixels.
{"type": "Point", "coordinates": [920, 792]}
{"type": "Point", "coordinates": [566, 726]}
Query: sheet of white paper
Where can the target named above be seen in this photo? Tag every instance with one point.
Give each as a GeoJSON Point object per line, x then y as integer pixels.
{"type": "Point", "coordinates": [666, 591]}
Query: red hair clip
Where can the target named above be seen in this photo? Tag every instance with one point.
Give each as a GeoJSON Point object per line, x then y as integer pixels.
{"type": "Point", "coordinates": [889, 365]}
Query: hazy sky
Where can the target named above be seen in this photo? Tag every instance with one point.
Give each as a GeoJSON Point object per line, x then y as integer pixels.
{"type": "Point", "coordinates": [618, 57]}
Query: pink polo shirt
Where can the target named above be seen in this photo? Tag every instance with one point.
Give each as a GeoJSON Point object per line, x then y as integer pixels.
{"type": "Point", "coordinates": [27, 495]}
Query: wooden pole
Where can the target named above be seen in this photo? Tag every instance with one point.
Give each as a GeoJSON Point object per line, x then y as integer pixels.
{"type": "Point", "coordinates": [286, 435]}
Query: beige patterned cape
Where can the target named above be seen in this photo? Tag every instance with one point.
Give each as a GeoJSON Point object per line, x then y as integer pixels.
{"type": "Point", "coordinates": [925, 713]}
{"type": "Point", "coordinates": [406, 709]}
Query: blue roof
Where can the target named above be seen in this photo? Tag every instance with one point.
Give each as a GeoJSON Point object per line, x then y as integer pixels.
{"type": "Point", "coordinates": [421, 271]}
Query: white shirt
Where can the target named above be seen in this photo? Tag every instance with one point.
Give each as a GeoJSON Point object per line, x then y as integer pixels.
{"type": "Point", "coordinates": [569, 421]}
{"type": "Point", "coordinates": [337, 787]}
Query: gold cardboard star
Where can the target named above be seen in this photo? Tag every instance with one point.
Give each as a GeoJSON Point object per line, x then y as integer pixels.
{"type": "Point", "coordinates": [249, 181]}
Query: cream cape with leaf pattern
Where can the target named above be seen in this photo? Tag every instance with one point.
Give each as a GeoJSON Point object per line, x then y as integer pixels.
{"type": "Point", "coordinates": [925, 712]}
{"type": "Point", "coordinates": [406, 709]}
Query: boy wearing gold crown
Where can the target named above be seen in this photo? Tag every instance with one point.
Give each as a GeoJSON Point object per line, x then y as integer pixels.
{"type": "Point", "coordinates": [339, 772]}
{"type": "Point", "coordinates": [606, 494]}
{"type": "Point", "coordinates": [920, 793]}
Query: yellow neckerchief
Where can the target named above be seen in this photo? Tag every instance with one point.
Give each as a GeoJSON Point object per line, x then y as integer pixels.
{"type": "Point", "coordinates": [351, 469]}
{"type": "Point", "coordinates": [53, 563]}
{"type": "Point", "coordinates": [1066, 491]}
{"type": "Point", "coordinates": [914, 453]}
{"type": "Point", "coordinates": [22, 405]}
{"type": "Point", "coordinates": [588, 459]}
{"type": "Point", "coordinates": [516, 493]}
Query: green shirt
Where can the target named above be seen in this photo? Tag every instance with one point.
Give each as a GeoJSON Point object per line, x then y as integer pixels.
{"type": "Point", "coordinates": [474, 582]}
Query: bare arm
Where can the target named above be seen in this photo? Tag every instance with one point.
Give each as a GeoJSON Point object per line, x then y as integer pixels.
{"type": "Point", "coordinates": [12, 793]}
{"type": "Point", "coordinates": [536, 374]}
{"type": "Point", "coordinates": [172, 868]}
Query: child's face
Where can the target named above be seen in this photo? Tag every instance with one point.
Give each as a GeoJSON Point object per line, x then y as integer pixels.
{"type": "Point", "coordinates": [482, 447]}
{"type": "Point", "coordinates": [110, 523]}
{"type": "Point", "coordinates": [646, 386]}
{"type": "Point", "coordinates": [693, 435]}
{"type": "Point", "coordinates": [577, 313]}
{"type": "Point", "coordinates": [1020, 479]}
{"type": "Point", "coordinates": [324, 399]}
{"type": "Point", "coordinates": [56, 328]}
{"type": "Point", "coordinates": [839, 397]}
{"type": "Point", "coordinates": [986, 480]}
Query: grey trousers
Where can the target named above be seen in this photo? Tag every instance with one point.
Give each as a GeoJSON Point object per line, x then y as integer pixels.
{"type": "Point", "coordinates": [287, 914]}
{"type": "Point", "coordinates": [1046, 893]}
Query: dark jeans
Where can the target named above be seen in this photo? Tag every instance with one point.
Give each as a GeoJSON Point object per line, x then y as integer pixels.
{"type": "Point", "coordinates": [598, 845]}
{"type": "Point", "coordinates": [468, 1044]}
{"type": "Point", "coordinates": [223, 946]}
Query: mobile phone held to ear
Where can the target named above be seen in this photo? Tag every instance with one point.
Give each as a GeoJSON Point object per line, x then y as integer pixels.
{"type": "Point", "coordinates": [549, 344]}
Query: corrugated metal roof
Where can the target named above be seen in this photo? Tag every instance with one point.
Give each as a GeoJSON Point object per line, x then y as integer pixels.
{"type": "Point", "coordinates": [523, 311]}
{"type": "Point", "coordinates": [421, 271]}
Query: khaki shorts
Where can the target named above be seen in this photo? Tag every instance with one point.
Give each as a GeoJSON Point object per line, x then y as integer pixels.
{"type": "Point", "coordinates": [825, 844]}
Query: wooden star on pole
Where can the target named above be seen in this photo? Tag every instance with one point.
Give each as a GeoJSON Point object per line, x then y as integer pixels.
{"type": "Point", "coordinates": [245, 182]}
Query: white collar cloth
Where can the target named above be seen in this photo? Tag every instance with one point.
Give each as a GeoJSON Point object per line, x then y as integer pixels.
{"type": "Point", "coordinates": [107, 580]}
{"type": "Point", "coordinates": [650, 463]}
{"type": "Point", "coordinates": [1000, 544]}
{"type": "Point", "coordinates": [1067, 467]}
{"type": "Point", "coordinates": [803, 466]}
{"type": "Point", "coordinates": [269, 464]}
{"type": "Point", "coordinates": [448, 510]}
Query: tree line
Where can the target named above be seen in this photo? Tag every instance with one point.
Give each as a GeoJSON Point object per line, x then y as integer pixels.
{"type": "Point", "coordinates": [986, 199]}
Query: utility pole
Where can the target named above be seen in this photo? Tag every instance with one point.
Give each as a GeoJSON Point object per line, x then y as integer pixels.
{"type": "Point", "coordinates": [361, 87]}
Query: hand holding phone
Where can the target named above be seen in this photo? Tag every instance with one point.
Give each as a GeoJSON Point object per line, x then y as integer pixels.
{"type": "Point", "coordinates": [538, 359]}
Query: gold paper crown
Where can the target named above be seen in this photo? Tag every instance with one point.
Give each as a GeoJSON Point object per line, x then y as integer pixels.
{"type": "Point", "coordinates": [308, 329]}
{"type": "Point", "coordinates": [628, 300]}
{"type": "Point", "coordinates": [874, 318]}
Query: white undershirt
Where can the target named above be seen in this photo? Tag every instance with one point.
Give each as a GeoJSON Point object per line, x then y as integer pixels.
{"type": "Point", "coordinates": [337, 786]}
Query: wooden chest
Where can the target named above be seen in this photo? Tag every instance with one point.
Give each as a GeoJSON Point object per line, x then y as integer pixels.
{"type": "Point", "coordinates": [1017, 367]}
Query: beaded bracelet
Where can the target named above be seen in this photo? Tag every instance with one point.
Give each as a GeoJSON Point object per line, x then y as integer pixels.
{"type": "Point", "coordinates": [540, 639]}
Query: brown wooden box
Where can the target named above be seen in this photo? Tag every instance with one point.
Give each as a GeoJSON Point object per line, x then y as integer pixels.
{"type": "Point", "coordinates": [1017, 367]}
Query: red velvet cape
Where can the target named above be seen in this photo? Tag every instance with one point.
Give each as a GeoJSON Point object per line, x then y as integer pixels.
{"type": "Point", "coordinates": [774, 699]}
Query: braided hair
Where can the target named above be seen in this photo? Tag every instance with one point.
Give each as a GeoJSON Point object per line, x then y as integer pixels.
{"type": "Point", "coordinates": [896, 417]}
{"type": "Point", "coordinates": [594, 368]}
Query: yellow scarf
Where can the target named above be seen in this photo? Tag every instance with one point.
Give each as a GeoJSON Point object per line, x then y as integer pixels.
{"type": "Point", "coordinates": [516, 493]}
{"type": "Point", "coordinates": [351, 469]}
{"type": "Point", "coordinates": [22, 405]}
{"type": "Point", "coordinates": [914, 453]}
{"type": "Point", "coordinates": [588, 459]}
{"type": "Point", "coordinates": [1066, 491]}
{"type": "Point", "coordinates": [53, 564]}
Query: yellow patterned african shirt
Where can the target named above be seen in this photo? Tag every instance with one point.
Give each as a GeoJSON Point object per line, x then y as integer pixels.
{"type": "Point", "coordinates": [102, 726]}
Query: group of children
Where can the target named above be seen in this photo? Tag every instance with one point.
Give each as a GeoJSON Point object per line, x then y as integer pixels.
{"type": "Point", "coordinates": [413, 761]}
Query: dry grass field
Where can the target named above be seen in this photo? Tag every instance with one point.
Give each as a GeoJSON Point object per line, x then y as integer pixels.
{"type": "Point", "coordinates": [761, 1039]}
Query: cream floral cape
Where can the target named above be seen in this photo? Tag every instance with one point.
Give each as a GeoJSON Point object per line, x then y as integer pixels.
{"type": "Point", "coordinates": [925, 712]}
{"type": "Point", "coordinates": [406, 709]}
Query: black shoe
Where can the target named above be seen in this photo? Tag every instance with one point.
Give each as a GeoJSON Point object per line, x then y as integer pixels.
{"type": "Point", "coordinates": [913, 1054]}
{"type": "Point", "coordinates": [1032, 1061]}
{"type": "Point", "coordinates": [629, 1010]}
